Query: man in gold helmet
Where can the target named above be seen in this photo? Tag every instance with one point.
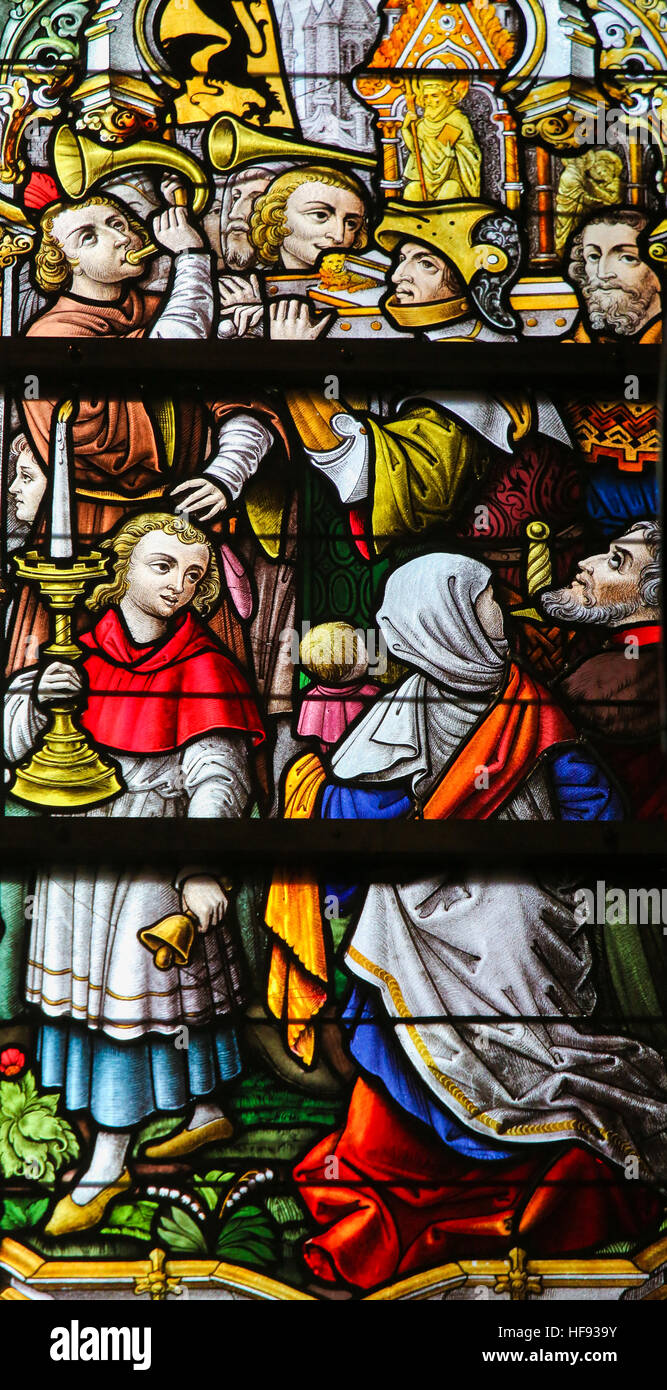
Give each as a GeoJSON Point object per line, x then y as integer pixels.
{"type": "Point", "coordinates": [472, 466]}
{"type": "Point", "coordinates": [452, 268]}
{"type": "Point", "coordinates": [421, 464]}
{"type": "Point", "coordinates": [453, 264]}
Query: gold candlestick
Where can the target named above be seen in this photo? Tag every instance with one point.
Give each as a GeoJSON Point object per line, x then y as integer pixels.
{"type": "Point", "coordinates": [64, 772]}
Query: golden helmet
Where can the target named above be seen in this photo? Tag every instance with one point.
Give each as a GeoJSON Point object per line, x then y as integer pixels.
{"type": "Point", "coordinates": [479, 240]}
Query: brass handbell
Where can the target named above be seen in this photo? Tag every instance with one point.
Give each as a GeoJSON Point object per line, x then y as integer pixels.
{"type": "Point", "coordinates": [170, 940]}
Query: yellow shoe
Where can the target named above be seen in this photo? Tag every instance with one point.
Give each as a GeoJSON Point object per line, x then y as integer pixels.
{"type": "Point", "coordinates": [187, 1140]}
{"type": "Point", "coordinates": [70, 1216]}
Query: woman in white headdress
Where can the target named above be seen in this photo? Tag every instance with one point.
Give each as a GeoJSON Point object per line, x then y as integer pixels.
{"type": "Point", "coordinates": [484, 1086]}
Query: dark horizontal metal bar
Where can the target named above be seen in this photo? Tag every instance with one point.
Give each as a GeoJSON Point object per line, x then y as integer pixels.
{"type": "Point", "coordinates": [478, 76]}
{"type": "Point", "coordinates": [132, 366]}
{"type": "Point", "coordinates": [360, 848]}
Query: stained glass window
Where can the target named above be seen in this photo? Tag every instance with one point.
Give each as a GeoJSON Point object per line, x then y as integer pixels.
{"type": "Point", "coordinates": [329, 449]}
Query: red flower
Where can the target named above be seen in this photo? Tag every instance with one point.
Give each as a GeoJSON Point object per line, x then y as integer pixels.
{"type": "Point", "coordinates": [11, 1061]}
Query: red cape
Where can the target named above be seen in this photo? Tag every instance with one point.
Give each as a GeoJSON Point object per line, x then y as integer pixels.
{"type": "Point", "coordinates": [153, 699]}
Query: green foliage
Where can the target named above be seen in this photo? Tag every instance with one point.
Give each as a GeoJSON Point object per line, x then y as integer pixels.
{"type": "Point", "coordinates": [242, 1234]}
{"type": "Point", "coordinates": [20, 1213]}
{"type": "Point", "coordinates": [211, 1188]}
{"type": "Point", "coordinates": [263, 1100]}
{"type": "Point", "coordinates": [180, 1232]}
{"type": "Point", "coordinates": [35, 1142]}
{"type": "Point", "coordinates": [285, 1210]}
{"type": "Point", "coordinates": [132, 1219]}
{"type": "Point", "coordinates": [239, 1235]}
{"type": "Point", "coordinates": [617, 1247]}
{"type": "Point", "coordinates": [247, 1237]}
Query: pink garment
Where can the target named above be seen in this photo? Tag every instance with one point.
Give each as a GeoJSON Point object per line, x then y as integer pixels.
{"type": "Point", "coordinates": [238, 584]}
{"type": "Point", "coordinates": [328, 710]}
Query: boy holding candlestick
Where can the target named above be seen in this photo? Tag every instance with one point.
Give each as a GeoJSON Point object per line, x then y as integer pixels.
{"type": "Point", "coordinates": [122, 1039]}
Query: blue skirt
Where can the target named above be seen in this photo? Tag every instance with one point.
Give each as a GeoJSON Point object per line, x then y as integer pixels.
{"type": "Point", "coordinates": [122, 1084]}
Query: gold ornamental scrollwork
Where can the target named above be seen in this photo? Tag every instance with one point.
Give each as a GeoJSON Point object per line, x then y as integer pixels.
{"type": "Point", "coordinates": [639, 34]}
{"type": "Point", "coordinates": [26, 98]}
{"type": "Point", "coordinates": [115, 124]}
{"type": "Point", "coordinates": [13, 245]}
{"type": "Point", "coordinates": [560, 131]}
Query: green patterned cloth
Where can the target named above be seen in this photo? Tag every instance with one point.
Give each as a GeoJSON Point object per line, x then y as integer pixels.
{"type": "Point", "coordinates": [631, 980]}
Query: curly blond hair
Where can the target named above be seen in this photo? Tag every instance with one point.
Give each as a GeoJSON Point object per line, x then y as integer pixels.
{"type": "Point", "coordinates": [123, 543]}
{"type": "Point", "coordinates": [268, 224]}
{"type": "Point", "coordinates": [53, 269]}
{"type": "Point", "coordinates": [333, 652]}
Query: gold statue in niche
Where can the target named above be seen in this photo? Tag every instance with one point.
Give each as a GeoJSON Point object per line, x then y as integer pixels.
{"type": "Point", "coordinates": [444, 158]}
{"type": "Point", "coordinates": [588, 181]}
{"type": "Point", "coordinates": [227, 56]}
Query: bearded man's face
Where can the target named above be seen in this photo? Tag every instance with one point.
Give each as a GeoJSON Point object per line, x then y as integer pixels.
{"type": "Point", "coordinates": [622, 293]}
{"type": "Point", "coordinates": [241, 193]}
{"type": "Point", "coordinates": [605, 588]}
{"type": "Point", "coordinates": [437, 99]}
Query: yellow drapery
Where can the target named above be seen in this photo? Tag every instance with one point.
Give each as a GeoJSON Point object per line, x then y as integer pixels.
{"type": "Point", "coordinates": [298, 978]}
{"type": "Point", "coordinates": [425, 463]}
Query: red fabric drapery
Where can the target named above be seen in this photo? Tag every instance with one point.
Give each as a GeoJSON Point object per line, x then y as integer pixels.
{"type": "Point", "coordinates": [391, 1199]}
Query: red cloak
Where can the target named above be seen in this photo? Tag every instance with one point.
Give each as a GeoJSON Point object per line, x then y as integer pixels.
{"type": "Point", "coordinates": [155, 698]}
{"type": "Point", "coordinates": [395, 1200]}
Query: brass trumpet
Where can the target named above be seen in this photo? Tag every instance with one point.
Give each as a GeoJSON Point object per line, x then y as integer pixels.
{"type": "Point", "coordinates": [136, 257]}
{"type": "Point", "coordinates": [80, 164]}
{"type": "Point", "coordinates": [232, 144]}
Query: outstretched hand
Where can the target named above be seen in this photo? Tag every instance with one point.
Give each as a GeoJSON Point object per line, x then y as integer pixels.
{"type": "Point", "coordinates": [202, 496]}
{"type": "Point", "coordinates": [291, 318]}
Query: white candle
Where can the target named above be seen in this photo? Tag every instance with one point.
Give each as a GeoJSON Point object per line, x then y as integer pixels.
{"type": "Point", "coordinates": [61, 541]}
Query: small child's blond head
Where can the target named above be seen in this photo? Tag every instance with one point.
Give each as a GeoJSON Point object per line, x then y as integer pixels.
{"type": "Point", "coordinates": [334, 654]}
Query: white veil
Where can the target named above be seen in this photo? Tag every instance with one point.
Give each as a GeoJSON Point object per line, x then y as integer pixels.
{"type": "Point", "coordinates": [429, 620]}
